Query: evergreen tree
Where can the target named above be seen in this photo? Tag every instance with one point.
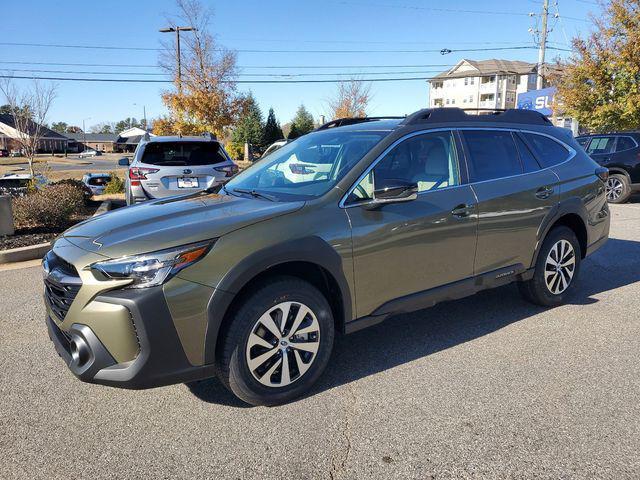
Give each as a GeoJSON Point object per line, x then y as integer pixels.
{"type": "Point", "coordinates": [250, 125]}
{"type": "Point", "coordinates": [272, 131]}
{"type": "Point", "coordinates": [302, 123]}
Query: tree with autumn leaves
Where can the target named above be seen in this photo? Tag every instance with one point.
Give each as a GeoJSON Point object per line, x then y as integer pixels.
{"type": "Point", "coordinates": [205, 96]}
{"type": "Point", "coordinates": [600, 83]}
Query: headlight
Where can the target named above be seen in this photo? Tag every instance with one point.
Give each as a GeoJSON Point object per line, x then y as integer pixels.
{"type": "Point", "coordinates": [151, 269]}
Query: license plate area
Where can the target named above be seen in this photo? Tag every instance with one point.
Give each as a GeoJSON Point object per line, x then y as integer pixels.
{"type": "Point", "coordinates": [187, 182]}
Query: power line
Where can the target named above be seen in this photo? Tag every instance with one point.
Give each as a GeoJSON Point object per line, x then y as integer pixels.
{"type": "Point", "coordinates": [278, 75]}
{"type": "Point", "coordinates": [144, 80]}
{"type": "Point", "coordinates": [268, 67]}
{"type": "Point", "coordinates": [483, 49]}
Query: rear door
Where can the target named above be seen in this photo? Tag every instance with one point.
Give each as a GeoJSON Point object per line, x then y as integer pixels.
{"type": "Point", "coordinates": [601, 148]}
{"type": "Point", "coordinates": [514, 196]}
{"type": "Point", "coordinates": [181, 167]}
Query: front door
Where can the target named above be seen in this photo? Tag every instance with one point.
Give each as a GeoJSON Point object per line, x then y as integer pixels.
{"type": "Point", "coordinates": [405, 248]}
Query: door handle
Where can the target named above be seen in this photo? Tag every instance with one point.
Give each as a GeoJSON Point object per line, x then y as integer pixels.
{"type": "Point", "coordinates": [462, 211]}
{"type": "Point", "coordinates": [544, 192]}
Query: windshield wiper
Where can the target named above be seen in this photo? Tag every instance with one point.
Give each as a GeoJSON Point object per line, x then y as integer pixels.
{"type": "Point", "coordinates": [255, 193]}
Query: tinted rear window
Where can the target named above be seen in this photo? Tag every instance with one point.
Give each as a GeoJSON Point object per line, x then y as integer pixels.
{"type": "Point", "coordinates": [529, 162]}
{"type": "Point", "coordinates": [493, 154]}
{"type": "Point", "coordinates": [183, 153]}
{"type": "Point", "coordinates": [547, 151]}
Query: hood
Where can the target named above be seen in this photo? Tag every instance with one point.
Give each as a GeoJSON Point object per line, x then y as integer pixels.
{"type": "Point", "coordinates": [171, 222]}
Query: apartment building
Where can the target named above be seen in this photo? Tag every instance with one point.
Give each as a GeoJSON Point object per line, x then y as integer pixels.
{"type": "Point", "coordinates": [482, 84]}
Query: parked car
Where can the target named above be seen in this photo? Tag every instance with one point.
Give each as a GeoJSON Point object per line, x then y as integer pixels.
{"type": "Point", "coordinates": [250, 281]}
{"type": "Point", "coordinates": [167, 166]}
{"type": "Point", "coordinates": [4, 152]}
{"type": "Point", "coordinates": [18, 183]}
{"type": "Point", "coordinates": [620, 153]}
{"type": "Point", "coordinates": [89, 153]}
{"type": "Point", "coordinates": [274, 146]}
{"type": "Point", "coordinates": [96, 182]}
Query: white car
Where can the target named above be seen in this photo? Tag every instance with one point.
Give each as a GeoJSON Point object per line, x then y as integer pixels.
{"type": "Point", "coordinates": [167, 166]}
{"type": "Point", "coordinates": [96, 182]}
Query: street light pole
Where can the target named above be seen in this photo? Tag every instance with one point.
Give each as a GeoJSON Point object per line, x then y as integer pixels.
{"type": "Point", "coordinates": [177, 31]}
{"type": "Point", "coordinates": [84, 134]}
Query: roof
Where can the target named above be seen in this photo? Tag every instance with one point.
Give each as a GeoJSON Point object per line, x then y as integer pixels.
{"type": "Point", "coordinates": [45, 132]}
{"type": "Point", "coordinates": [93, 137]}
{"type": "Point", "coordinates": [134, 132]}
{"type": "Point", "coordinates": [486, 67]}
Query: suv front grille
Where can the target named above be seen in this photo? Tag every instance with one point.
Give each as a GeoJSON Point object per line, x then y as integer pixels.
{"type": "Point", "coordinates": [61, 284]}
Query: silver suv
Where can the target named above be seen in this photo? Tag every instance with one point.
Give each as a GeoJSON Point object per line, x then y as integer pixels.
{"type": "Point", "coordinates": [167, 166]}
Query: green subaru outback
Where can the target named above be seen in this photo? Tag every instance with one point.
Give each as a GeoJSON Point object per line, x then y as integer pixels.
{"type": "Point", "coordinates": [339, 230]}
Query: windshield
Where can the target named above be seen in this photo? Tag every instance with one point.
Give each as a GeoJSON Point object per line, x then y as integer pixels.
{"type": "Point", "coordinates": [308, 167]}
{"type": "Point", "coordinates": [187, 154]}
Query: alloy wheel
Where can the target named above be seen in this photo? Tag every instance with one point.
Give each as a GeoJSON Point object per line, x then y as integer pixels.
{"type": "Point", "coordinates": [560, 267]}
{"type": "Point", "coordinates": [283, 344]}
{"type": "Point", "coordinates": [614, 188]}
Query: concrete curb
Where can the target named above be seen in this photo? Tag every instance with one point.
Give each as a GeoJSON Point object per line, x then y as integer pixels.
{"type": "Point", "coordinates": [33, 252]}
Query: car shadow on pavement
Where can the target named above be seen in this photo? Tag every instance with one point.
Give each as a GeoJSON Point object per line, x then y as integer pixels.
{"type": "Point", "coordinates": [407, 337]}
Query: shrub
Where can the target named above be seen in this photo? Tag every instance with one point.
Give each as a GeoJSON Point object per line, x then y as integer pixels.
{"type": "Point", "coordinates": [77, 184]}
{"type": "Point", "coordinates": [51, 207]}
{"type": "Point", "coordinates": [115, 185]}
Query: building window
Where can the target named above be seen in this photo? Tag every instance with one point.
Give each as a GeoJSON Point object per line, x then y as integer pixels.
{"type": "Point", "coordinates": [464, 100]}
{"type": "Point", "coordinates": [470, 98]}
{"type": "Point", "coordinates": [472, 81]}
{"type": "Point", "coordinates": [453, 101]}
{"type": "Point", "coordinates": [447, 101]}
{"type": "Point", "coordinates": [466, 81]}
{"type": "Point", "coordinates": [488, 79]}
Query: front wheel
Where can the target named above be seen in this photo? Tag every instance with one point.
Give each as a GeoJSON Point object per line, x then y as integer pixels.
{"type": "Point", "coordinates": [556, 269]}
{"type": "Point", "coordinates": [277, 343]}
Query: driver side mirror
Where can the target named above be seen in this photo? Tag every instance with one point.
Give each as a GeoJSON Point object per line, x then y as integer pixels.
{"type": "Point", "coordinates": [123, 162]}
{"type": "Point", "coordinates": [393, 190]}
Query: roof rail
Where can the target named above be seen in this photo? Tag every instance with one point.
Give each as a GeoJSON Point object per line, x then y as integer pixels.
{"type": "Point", "coordinates": [442, 115]}
{"type": "Point", "coordinates": [341, 122]}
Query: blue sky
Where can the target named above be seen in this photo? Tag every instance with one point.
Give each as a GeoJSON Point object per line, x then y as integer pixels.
{"type": "Point", "coordinates": [274, 25]}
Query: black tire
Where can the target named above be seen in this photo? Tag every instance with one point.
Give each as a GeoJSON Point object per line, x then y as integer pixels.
{"type": "Point", "coordinates": [536, 290]}
{"type": "Point", "coordinates": [618, 188]}
{"type": "Point", "coordinates": [232, 367]}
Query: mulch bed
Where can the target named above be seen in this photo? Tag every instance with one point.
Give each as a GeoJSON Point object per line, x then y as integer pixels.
{"type": "Point", "coordinates": [25, 237]}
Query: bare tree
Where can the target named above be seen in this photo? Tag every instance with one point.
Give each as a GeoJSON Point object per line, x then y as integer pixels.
{"type": "Point", "coordinates": [351, 100]}
{"type": "Point", "coordinates": [29, 108]}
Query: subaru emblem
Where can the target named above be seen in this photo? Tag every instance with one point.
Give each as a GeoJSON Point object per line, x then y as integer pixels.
{"type": "Point", "coordinates": [186, 171]}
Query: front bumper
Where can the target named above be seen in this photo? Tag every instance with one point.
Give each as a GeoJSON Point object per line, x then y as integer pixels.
{"type": "Point", "coordinates": [161, 359]}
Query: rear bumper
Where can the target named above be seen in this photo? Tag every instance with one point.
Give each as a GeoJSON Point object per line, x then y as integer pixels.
{"type": "Point", "coordinates": [160, 361]}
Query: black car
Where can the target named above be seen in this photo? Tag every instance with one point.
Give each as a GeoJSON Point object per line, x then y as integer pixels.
{"type": "Point", "coordinates": [620, 153]}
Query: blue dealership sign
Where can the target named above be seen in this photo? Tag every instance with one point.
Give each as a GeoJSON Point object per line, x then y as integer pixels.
{"type": "Point", "coordinates": [538, 100]}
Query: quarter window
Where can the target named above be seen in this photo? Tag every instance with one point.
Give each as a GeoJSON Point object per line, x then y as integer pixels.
{"type": "Point", "coordinates": [493, 154]}
{"type": "Point", "coordinates": [429, 160]}
{"type": "Point", "coordinates": [625, 143]}
{"type": "Point", "coordinates": [547, 151]}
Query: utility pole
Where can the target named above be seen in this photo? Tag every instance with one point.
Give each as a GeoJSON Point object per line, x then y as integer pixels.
{"type": "Point", "coordinates": [177, 31]}
{"type": "Point", "coordinates": [543, 44]}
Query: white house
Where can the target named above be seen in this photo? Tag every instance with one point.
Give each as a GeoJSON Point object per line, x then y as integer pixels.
{"type": "Point", "coordinates": [482, 84]}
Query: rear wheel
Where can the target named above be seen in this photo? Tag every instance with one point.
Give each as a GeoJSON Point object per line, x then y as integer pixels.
{"type": "Point", "coordinates": [556, 269]}
{"type": "Point", "coordinates": [618, 188]}
{"type": "Point", "coordinates": [278, 342]}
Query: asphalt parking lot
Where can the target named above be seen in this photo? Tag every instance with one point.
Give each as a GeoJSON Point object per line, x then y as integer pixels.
{"type": "Point", "coordinates": [486, 387]}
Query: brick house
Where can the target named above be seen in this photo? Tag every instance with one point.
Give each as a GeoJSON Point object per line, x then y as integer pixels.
{"type": "Point", "coordinates": [50, 141]}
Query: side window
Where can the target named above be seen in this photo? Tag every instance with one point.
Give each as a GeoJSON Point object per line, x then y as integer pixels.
{"type": "Point", "coordinates": [600, 145]}
{"type": "Point", "coordinates": [492, 154]}
{"type": "Point", "coordinates": [429, 160]}
{"type": "Point", "coordinates": [625, 143]}
{"type": "Point", "coordinates": [547, 151]}
{"type": "Point", "coordinates": [529, 162]}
